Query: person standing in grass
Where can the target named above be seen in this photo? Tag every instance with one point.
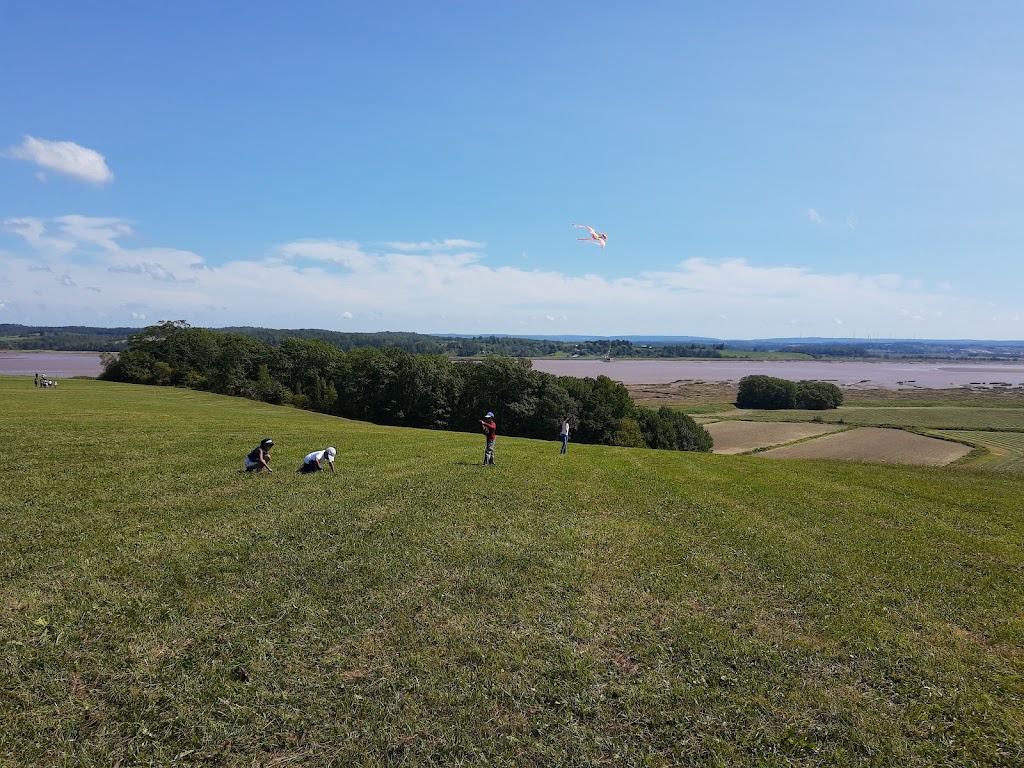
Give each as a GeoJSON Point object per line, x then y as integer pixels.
{"type": "Point", "coordinates": [565, 434]}
{"type": "Point", "coordinates": [314, 462]}
{"type": "Point", "coordinates": [259, 457]}
{"type": "Point", "coordinates": [491, 433]}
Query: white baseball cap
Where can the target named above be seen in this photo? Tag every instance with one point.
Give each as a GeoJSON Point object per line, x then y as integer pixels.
{"type": "Point", "coordinates": [331, 453]}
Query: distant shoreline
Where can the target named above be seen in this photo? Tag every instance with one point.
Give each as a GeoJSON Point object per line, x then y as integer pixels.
{"type": "Point", "coordinates": [846, 374]}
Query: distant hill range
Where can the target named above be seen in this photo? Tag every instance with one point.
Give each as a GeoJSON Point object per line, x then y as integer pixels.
{"type": "Point", "coordinates": [94, 339]}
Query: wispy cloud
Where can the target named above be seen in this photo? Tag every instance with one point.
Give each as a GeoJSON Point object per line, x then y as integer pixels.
{"type": "Point", "coordinates": [814, 216]}
{"type": "Point", "coordinates": [151, 269]}
{"type": "Point", "coordinates": [345, 284]}
{"type": "Point", "coordinates": [63, 157]}
{"type": "Point", "coordinates": [436, 245]}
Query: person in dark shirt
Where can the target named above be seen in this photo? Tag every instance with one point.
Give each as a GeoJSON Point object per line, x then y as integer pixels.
{"type": "Point", "coordinates": [259, 457]}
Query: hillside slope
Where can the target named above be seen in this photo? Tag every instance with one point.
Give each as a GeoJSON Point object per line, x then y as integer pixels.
{"type": "Point", "coordinates": [612, 606]}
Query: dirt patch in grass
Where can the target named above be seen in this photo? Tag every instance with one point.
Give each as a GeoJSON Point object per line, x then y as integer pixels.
{"type": "Point", "coordinates": [892, 446]}
{"type": "Point", "coordinates": [683, 393]}
{"type": "Point", "coordinates": [741, 436]}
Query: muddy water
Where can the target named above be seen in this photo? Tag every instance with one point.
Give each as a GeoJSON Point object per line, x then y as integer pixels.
{"type": "Point", "coordinates": [863, 375]}
{"type": "Point", "coordinates": [56, 365]}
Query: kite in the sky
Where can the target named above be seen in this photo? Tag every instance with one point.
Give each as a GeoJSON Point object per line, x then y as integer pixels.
{"type": "Point", "coordinates": [597, 238]}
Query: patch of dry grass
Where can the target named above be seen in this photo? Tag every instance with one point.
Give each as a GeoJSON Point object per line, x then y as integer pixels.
{"type": "Point", "coordinates": [891, 446]}
{"type": "Point", "coordinates": [732, 437]}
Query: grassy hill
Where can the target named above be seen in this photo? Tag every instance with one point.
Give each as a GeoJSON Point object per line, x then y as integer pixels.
{"type": "Point", "coordinates": [609, 607]}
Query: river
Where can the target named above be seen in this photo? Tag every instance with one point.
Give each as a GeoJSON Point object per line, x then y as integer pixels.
{"type": "Point", "coordinates": [55, 365]}
{"type": "Point", "coordinates": [884, 374]}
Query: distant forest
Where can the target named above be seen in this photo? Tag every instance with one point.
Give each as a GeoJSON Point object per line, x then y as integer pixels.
{"type": "Point", "coordinates": [391, 386]}
{"type": "Point", "coordinates": [79, 338]}
{"type": "Point", "coordinates": [69, 338]}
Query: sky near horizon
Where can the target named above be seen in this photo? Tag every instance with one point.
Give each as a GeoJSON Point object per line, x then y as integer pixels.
{"type": "Point", "coordinates": [761, 170]}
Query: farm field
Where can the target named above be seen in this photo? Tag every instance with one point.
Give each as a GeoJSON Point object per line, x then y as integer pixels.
{"type": "Point", "coordinates": [702, 396]}
{"type": "Point", "coordinates": [732, 437]}
{"type": "Point", "coordinates": [1006, 449]}
{"type": "Point", "coordinates": [930, 417]}
{"type": "Point", "coordinates": [892, 446]}
{"type": "Point", "coordinates": [613, 606]}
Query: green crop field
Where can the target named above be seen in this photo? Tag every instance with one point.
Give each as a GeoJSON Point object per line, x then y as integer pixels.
{"type": "Point", "coordinates": [931, 417]}
{"type": "Point", "coordinates": [617, 607]}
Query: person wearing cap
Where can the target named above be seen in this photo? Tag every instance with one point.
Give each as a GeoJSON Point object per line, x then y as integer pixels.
{"type": "Point", "coordinates": [259, 457]}
{"type": "Point", "coordinates": [491, 433]}
{"type": "Point", "coordinates": [314, 461]}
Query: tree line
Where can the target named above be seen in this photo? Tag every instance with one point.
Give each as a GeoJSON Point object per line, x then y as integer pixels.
{"type": "Point", "coordinates": [88, 339]}
{"type": "Point", "coordinates": [70, 338]}
{"type": "Point", "coordinates": [392, 386]}
{"type": "Point", "coordinates": [478, 346]}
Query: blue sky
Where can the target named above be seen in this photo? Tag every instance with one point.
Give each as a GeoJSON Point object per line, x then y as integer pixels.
{"type": "Point", "coordinates": [787, 169]}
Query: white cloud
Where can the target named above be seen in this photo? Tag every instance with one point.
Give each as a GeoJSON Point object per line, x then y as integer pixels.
{"type": "Point", "coordinates": [814, 216]}
{"type": "Point", "coordinates": [54, 279]}
{"type": "Point", "coordinates": [63, 157]}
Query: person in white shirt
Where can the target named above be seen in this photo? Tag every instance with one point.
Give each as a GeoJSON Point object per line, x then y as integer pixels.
{"type": "Point", "coordinates": [565, 434]}
{"type": "Point", "coordinates": [314, 462]}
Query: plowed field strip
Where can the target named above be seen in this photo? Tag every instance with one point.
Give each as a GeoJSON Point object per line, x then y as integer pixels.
{"type": "Point", "coordinates": [741, 436]}
{"type": "Point", "coordinates": [892, 446]}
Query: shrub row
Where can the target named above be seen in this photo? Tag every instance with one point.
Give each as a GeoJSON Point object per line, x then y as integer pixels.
{"type": "Point", "coordinates": [769, 392]}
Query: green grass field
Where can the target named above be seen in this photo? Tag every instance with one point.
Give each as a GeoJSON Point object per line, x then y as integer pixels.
{"type": "Point", "coordinates": [930, 417]}
{"type": "Point", "coordinates": [609, 607]}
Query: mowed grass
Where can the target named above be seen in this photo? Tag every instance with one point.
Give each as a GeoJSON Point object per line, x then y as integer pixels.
{"type": "Point", "coordinates": [609, 607]}
{"type": "Point", "coordinates": [1005, 449]}
{"type": "Point", "coordinates": [926, 417]}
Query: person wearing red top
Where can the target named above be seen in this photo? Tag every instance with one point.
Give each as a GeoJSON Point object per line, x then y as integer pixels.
{"type": "Point", "coordinates": [491, 433]}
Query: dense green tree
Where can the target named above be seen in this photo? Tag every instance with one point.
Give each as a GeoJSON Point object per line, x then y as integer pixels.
{"type": "Point", "coordinates": [769, 392]}
{"type": "Point", "coordinates": [426, 390]}
{"type": "Point", "coordinates": [628, 434]}
{"type": "Point", "coordinates": [366, 384]}
{"type": "Point", "coordinates": [601, 406]}
{"type": "Point", "coordinates": [818, 395]}
{"type": "Point", "coordinates": [308, 368]}
{"type": "Point", "coordinates": [672, 430]}
{"type": "Point", "coordinates": [238, 363]}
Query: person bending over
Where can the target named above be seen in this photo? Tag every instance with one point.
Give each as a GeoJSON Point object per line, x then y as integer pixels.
{"type": "Point", "coordinates": [259, 457]}
{"type": "Point", "coordinates": [314, 462]}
